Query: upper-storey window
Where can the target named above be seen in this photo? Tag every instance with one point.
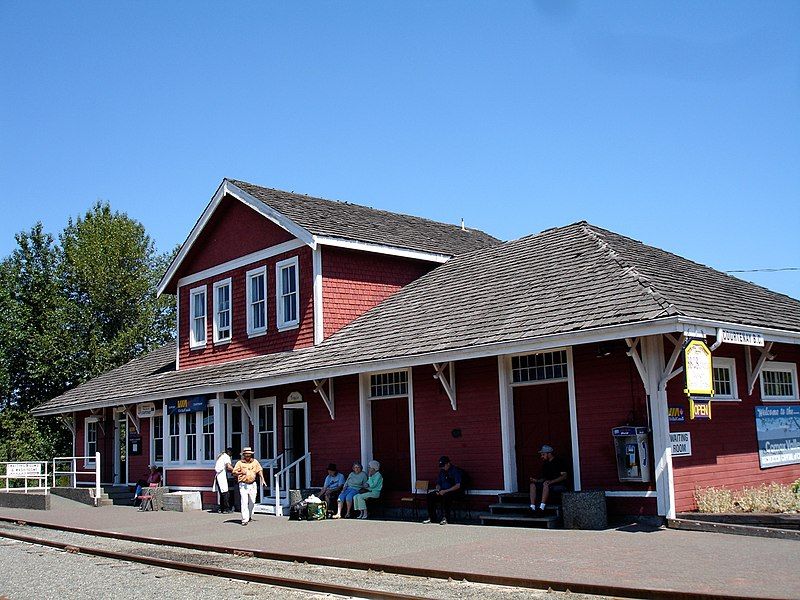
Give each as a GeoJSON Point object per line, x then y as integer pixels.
{"type": "Point", "coordinates": [222, 311]}
{"type": "Point", "coordinates": [542, 366]}
{"type": "Point", "coordinates": [288, 294]}
{"type": "Point", "coordinates": [197, 317]}
{"type": "Point", "coordinates": [725, 379]}
{"type": "Point", "coordinates": [257, 301]}
{"type": "Point", "coordinates": [779, 382]}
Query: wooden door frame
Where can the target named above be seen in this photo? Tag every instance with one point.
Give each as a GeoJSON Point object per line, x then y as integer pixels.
{"type": "Point", "coordinates": [304, 407]}
{"type": "Point", "coordinates": [272, 401]}
{"type": "Point", "coordinates": [365, 419]}
{"type": "Point", "coordinates": [507, 424]}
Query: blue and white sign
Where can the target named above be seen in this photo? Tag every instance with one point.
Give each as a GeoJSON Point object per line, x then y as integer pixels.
{"type": "Point", "coordinates": [186, 405]}
{"type": "Point", "coordinates": [778, 433]}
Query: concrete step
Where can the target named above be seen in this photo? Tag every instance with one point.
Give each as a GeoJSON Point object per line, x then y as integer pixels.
{"type": "Point", "coordinates": [547, 522]}
{"type": "Point", "coordinates": [105, 502]}
{"type": "Point", "coordinates": [514, 498]}
{"type": "Point", "coordinates": [522, 509]}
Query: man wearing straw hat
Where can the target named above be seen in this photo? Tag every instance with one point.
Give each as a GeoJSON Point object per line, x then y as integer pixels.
{"type": "Point", "coordinates": [246, 471]}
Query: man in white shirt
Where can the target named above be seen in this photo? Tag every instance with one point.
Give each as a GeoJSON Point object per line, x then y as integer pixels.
{"type": "Point", "coordinates": [222, 466]}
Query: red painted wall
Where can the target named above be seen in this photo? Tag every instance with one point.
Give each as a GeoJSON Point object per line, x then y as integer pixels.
{"type": "Point", "coordinates": [724, 449]}
{"type": "Point", "coordinates": [234, 230]}
{"type": "Point", "coordinates": [240, 345]}
{"type": "Point", "coordinates": [353, 282]}
{"type": "Point", "coordinates": [609, 392]}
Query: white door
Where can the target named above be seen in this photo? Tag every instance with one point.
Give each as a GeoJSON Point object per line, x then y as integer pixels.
{"type": "Point", "coordinates": [295, 443]}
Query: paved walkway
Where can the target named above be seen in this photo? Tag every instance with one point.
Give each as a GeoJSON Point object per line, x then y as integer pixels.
{"type": "Point", "coordinates": [631, 556]}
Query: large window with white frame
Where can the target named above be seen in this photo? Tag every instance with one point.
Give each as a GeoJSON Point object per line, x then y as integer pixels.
{"type": "Point", "coordinates": [539, 367]}
{"type": "Point", "coordinates": [90, 439]}
{"type": "Point", "coordinates": [257, 301]}
{"type": "Point", "coordinates": [779, 382]}
{"type": "Point", "coordinates": [388, 385]}
{"type": "Point", "coordinates": [223, 318]}
{"type": "Point", "coordinates": [725, 387]}
{"type": "Point", "coordinates": [190, 423]}
{"type": "Point", "coordinates": [157, 432]}
{"type": "Point", "coordinates": [197, 317]}
{"type": "Point", "coordinates": [174, 421]}
{"type": "Point", "coordinates": [208, 434]}
{"type": "Point", "coordinates": [287, 293]}
{"type": "Point", "coordinates": [190, 437]}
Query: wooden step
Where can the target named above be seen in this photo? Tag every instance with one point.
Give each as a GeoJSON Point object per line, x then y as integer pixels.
{"type": "Point", "coordinates": [546, 521]}
{"type": "Point", "coordinates": [523, 509]}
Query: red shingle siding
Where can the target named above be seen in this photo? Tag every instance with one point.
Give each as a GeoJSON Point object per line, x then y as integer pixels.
{"type": "Point", "coordinates": [479, 449]}
{"type": "Point", "coordinates": [609, 393]}
{"type": "Point", "coordinates": [233, 231]}
{"type": "Point", "coordinates": [354, 282]}
{"type": "Point", "coordinates": [724, 449]}
{"type": "Point", "coordinates": [240, 345]}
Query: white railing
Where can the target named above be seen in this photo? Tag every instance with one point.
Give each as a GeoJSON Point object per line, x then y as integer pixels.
{"type": "Point", "coordinates": [26, 470]}
{"type": "Point", "coordinates": [73, 473]}
{"type": "Point", "coordinates": [275, 463]}
{"type": "Point", "coordinates": [284, 476]}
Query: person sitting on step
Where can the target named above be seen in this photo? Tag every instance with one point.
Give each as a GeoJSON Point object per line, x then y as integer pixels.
{"type": "Point", "coordinates": [553, 478]}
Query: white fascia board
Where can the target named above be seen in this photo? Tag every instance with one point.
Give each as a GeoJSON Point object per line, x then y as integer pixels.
{"type": "Point", "coordinates": [709, 327]}
{"type": "Point", "coordinates": [242, 261]}
{"type": "Point", "coordinates": [668, 325]}
{"type": "Point", "coordinates": [436, 257]}
{"type": "Point", "coordinates": [226, 187]}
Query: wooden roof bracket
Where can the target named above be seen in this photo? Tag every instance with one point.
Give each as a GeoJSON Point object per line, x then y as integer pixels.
{"type": "Point", "coordinates": [245, 405]}
{"type": "Point", "coordinates": [754, 373]}
{"type": "Point", "coordinates": [669, 373]}
{"type": "Point", "coordinates": [327, 398]}
{"type": "Point", "coordinates": [134, 419]}
{"type": "Point", "coordinates": [69, 420]}
{"type": "Point", "coordinates": [637, 360]}
{"type": "Point", "coordinates": [100, 413]}
{"type": "Point", "coordinates": [448, 381]}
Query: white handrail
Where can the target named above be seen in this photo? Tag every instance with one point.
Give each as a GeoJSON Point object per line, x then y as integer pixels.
{"type": "Point", "coordinates": [276, 462]}
{"type": "Point", "coordinates": [74, 472]}
{"type": "Point", "coordinates": [283, 473]}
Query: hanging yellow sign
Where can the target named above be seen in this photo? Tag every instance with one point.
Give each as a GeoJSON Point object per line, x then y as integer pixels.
{"type": "Point", "coordinates": [698, 369]}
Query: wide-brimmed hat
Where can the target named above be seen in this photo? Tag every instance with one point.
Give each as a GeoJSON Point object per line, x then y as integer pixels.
{"type": "Point", "coordinates": [546, 449]}
{"type": "Point", "coordinates": [247, 450]}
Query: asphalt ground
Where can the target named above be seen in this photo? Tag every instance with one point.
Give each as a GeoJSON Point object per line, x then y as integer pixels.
{"type": "Point", "coordinates": [634, 556]}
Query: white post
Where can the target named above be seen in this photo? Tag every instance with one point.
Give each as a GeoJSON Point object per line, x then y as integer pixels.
{"type": "Point", "coordinates": [97, 479]}
{"type": "Point", "coordinates": [278, 495]}
{"type": "Point", "coordinates": [54, 473]}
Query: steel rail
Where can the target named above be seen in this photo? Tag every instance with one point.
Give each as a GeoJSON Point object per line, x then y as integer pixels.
{"type": "Point", "coordinates": [473, 577]}
{"type": "Point", "coordinates": [274, 580]}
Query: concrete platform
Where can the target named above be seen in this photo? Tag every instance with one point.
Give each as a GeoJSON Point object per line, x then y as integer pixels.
{"type": "Point", "coordinates": [632, 556]}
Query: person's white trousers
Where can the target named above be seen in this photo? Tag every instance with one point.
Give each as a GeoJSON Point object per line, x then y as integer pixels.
{"type": "Point", "coordinates": [247, 492]}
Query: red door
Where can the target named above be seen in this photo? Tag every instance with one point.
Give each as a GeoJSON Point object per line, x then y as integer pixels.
{"type": "Point", "coordinates": [390, 442]}
{"type": "Point", "coordinates": [541, 416]}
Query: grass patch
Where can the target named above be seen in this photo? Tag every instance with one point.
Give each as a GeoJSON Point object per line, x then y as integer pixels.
{"type": "Point", "coordinates": [767, 498]}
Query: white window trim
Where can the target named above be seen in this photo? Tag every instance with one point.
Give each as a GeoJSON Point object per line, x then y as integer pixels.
{"type": "Point", "coordinates": [284, 325]}
{"type": "Point", "coordinates": [271, 403]}
{"type": "Point", "coordinates": [369, 384]}
{"type": "Point", "coordinates": [730, 364]}
{"type": "Point", "coordinates": [514, 384]}
{"type": "Point", "coordinates": [781, 367]}
{"type": "Point", "coordinates": [220, 284]}
{"type": "Point", "coordinates": [253, 331]}
{"type": "Point", "coordinates": [192, 293]}
{"type": "Point", "coordinates": [89, 461]}
{"type": "Point", "coordinates": [157, 415]}
{"type": "Point", "coordinates": [199, 462]}
{"type": "Point", "coordinates": [229, 403]}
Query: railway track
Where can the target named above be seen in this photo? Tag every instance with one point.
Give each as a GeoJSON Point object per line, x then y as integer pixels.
{"type": "Point", "coordinates": [303, 584]}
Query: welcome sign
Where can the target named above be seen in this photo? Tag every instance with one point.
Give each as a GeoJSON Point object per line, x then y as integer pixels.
{"type": "Point", "coordinates": [778, 434]}
{"type": "Point", "coordinates": [186, 405]}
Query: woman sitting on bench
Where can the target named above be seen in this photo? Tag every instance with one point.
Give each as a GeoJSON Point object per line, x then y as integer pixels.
{"type": "Point", "coordinates": [354, 484]}
{"type": "Point", "coordinates": [374, 486]}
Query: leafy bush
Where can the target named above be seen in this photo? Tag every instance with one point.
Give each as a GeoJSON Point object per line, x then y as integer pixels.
{"type": "Point", "coordinates": [771, 498]}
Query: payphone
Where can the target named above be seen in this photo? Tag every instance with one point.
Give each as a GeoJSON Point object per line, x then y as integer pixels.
{"type": "Point", "coordinates": [631, 446]}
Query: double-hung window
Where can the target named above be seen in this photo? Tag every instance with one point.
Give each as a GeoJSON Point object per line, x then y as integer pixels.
{"type": "Point", "coordinates": [174, 437]}
{"type": "Point", "coordinates": [257, 301]}
{"type": "Point", "coordinates": [158, 438]}
{"type": "Point", "coordinates": [288, 293]}
{"type": "Point", "coordinates": [208, 434]}
{"type": "Point", "coordinates": [91, 439]}
{"type": "Point", "coordinates": [725, 379]}
{"type": "Point", "coordinates": [191, 436]}
{"type": "Point", "coordinates": [222, 311]}
{"type": "Point", "coordinates": [197, 317]}
{"type": "Point", "coordinates": [779, 382]}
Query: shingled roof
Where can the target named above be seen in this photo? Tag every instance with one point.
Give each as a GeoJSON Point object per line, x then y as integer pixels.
{"type": "Point", "coordinates": [344, 220]}
{"type": "Point", "coordinates": [559, 282]}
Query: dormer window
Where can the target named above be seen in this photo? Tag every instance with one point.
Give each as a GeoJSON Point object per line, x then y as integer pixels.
{"type": "Point", "coordinates": [257, 301]}
{"type": "Point", "coordinates": [222, 311]}
{"type": "Point", "coordinates": [197, 317]}
{"type": "Point", "coordinates": [288, 294]}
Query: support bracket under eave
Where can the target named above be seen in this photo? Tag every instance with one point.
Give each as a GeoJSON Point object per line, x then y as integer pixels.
{"type": "Point", "coordinates": [754, 373]}
{"type": "Point", "coordinates": [100, 413]}
{"type": "Point", "coordinates": [69, 421]}
{"type": "Point", "coordinates": [245, 402]}
{"type": "Point", "coordinates": [134, 419]}
{"type": "Point", "coordinates": [448, 380]}
{"type": "Point", "coordinates": [327, 397]}
{"type": "Point", "coordinates": [633, 352]}
{"type": "Point", "coordinates": [669, 370]}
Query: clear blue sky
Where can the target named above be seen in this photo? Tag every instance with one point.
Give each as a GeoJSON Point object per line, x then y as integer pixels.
{"type": "Point", "coordinates": [674, 123]}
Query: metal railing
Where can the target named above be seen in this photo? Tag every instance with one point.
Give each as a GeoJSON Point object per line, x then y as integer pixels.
{"type": "Point", "coordinates": [25, 471]}
{"type": "Point", "coordinates": [73, 473]}
{"type": "Point", "coordinates": [285, 476]}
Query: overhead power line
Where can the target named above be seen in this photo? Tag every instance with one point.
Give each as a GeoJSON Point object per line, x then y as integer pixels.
{"type": "Point", "coordinates": [764, 270]}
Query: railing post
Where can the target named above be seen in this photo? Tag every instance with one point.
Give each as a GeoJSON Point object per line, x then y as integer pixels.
{"type": "Point", "coordinates": [97, 479]}
{"type": "Point", "coordinates": [278, 495]}
{"type": "Point", "coordinates": [54, 473]}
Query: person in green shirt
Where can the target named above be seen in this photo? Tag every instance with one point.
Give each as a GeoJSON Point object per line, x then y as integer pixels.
{"type": "Point", "coordinates": [356, 481]}
{"type": "Point", "coordinates": [374, 486]}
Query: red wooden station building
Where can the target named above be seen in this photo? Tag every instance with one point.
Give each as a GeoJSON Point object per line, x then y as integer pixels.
{"type": "Point", "coordinates": [318, 331]}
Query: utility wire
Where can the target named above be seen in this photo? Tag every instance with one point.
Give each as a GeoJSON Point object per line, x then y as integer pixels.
{"type": "Point", "coordinates": [764, 270]}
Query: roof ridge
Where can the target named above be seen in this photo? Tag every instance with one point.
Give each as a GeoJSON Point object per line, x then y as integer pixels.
{"type": "Point", "coordinates": [629, 269]}
{"type": "Point", "coordinates": [379, 210]}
